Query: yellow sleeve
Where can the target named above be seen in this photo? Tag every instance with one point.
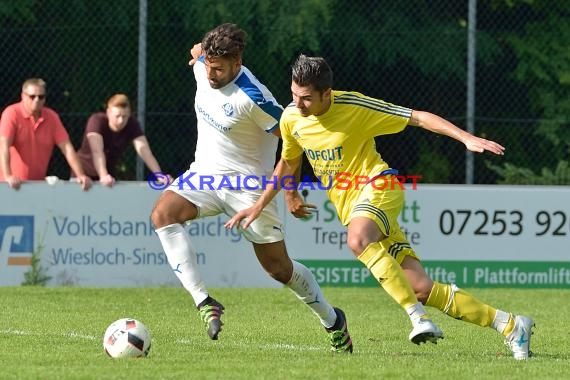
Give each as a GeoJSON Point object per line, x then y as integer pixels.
{"type": "Point", "coordinates": [374, 117]}
{"type": "Point", "coordinates": [291, 148]}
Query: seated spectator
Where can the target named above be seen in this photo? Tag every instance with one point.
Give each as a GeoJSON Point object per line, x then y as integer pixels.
{"type": "Point", "coordinates": [106, 138]}
{"type": "Point", "coordinates": [28, 133]}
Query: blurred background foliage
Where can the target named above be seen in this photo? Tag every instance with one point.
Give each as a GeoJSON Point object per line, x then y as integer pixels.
{"type": "Point", "coordinates": [411, 53]}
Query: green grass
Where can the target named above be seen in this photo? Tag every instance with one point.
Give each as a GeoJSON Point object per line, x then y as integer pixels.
{"type": "Point", "coordinates": [56, 333]}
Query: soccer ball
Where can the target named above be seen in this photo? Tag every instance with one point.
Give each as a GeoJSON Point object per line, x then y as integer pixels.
{"type": "Point", "coordinates": [126, 338]}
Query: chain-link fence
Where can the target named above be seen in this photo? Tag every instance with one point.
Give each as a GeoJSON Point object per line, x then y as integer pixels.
{"type": "Point", "coordinates": [414, 53]}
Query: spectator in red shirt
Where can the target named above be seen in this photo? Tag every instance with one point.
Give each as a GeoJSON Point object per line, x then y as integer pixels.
{"type": "Point", "coordinates": [107, 136]}
{"type": "Point", "coordinates": [28, 133]}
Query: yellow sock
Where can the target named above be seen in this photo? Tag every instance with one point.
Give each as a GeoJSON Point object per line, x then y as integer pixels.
{"type": "Point", "coordinates": [389, 274]}
{"type": "Point", "coordinates": [504, 323]}
{"type": "Point", "coordinates": [459, 304]}
{"type": "Point", "coordinates": [510, 327]}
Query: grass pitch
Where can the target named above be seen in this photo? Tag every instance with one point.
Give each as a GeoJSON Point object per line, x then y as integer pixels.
{"type": "Point", "coordinates": [56, 333]}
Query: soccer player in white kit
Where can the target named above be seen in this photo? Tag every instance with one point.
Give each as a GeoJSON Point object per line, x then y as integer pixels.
{"type": "Point", "coordinates": [238, 132]}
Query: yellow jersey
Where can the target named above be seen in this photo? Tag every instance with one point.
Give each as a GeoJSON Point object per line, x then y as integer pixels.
{"type": "Point", "coordinates": [340, 143]}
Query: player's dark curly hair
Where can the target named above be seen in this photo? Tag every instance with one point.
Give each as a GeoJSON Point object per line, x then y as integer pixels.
{"type": "Point", "coordinates": [226, 40]}
{"type": "Point", "coordinates": [312, 71]}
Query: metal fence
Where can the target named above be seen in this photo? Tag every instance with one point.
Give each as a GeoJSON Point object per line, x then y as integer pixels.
{"type": "Point", "coordinates": [472, 63]}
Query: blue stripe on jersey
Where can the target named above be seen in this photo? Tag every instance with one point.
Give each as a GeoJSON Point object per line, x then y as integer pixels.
{"type": "Point", "coordinates": [374, 104]}
{"type": "Point", "coordinates": [255, 94]}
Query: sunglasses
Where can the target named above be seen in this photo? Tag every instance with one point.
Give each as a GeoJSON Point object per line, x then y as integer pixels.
{"type": "Point", "coordinates": [33, 96]}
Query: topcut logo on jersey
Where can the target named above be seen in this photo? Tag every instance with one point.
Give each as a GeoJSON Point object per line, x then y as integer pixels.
{"type": "Point", "coordinates": [17, 238]}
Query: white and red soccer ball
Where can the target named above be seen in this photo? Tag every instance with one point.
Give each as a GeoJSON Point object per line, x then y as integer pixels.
{"type": "Point", "coordinates": [126, 338]}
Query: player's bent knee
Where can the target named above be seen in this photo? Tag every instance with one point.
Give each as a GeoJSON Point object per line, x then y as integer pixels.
{"type": "Point", "coordinates": [161, 216]}
{"type": "Point", "coordinates": [158, 217]}
{"type": "Point", "coordinates": [357, 244]}
{"type": "Point", "coordinates": [423, 290]}
{"type": "Point", "coordinates": [171, 209]}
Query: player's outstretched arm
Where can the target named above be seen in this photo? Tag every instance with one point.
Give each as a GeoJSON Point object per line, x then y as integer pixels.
{"type": "Point", "coordinates": [437, 124]}
{"type": "Point", "coordinates": [283, 169]}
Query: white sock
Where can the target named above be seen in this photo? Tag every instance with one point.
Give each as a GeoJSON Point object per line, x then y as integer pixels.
{"type": "Point", "coordinates": [415, 312]}
{"type": "Point", "coordinates": [501, 320]}
{"type": "Point", "coordinates": [182, 258]}
{"type": "Point", "coordinates": [306, 288]}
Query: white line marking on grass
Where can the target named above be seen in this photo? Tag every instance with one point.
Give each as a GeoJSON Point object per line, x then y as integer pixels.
{"type": "Point", "coordinates": [14, 332]}
{"type": "Point", "coordinates": [266, 346]}
{"type": "Point", "coordinates": [71, 334]}
{"type": "Point", "coordinates": [281, 346]}
{"type": "Point", "coordinates": [241, 345]}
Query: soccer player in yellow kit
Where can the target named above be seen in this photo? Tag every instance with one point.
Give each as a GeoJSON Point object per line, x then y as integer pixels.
{"type": "Point", "coordinates": [336, 129]}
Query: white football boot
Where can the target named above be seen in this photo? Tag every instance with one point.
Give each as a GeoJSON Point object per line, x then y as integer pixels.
{"type": "Point", "coordinates": [425, 331]}
{"type": "Point", "coordinates": [519, 340]}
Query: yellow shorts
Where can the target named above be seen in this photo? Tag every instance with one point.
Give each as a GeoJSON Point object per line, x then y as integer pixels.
{"type": "Point", "coordinates": [383, 207]}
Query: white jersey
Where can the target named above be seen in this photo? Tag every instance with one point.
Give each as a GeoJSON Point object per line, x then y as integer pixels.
{"type": "Point", "coordinates": [235, 125]}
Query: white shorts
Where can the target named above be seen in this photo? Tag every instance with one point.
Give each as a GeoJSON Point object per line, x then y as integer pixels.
{"type": "Point", "coordinates": [214, 197]}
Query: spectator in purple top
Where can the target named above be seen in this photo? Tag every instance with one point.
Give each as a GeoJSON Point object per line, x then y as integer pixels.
{"type": "Point", "coordinates": [107, 136]}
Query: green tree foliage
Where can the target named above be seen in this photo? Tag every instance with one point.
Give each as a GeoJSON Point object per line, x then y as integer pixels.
{"type": "Point", "coordinates": [515, 175]}
{"type": "Point", "coordinates": [16, 10]}
{"type": "Point", "coordinates": [543, 58]}
{"type": "Point", "coordinates": [543, 67]}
